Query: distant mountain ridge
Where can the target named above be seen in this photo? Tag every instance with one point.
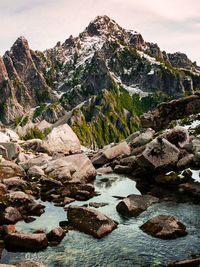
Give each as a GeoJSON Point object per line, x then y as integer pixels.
{"type": "Point", "coordinates": [46, 85]}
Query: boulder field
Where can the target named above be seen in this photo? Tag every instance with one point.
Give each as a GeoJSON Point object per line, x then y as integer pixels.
{"type": "Point", "coordinates": [57, 170]}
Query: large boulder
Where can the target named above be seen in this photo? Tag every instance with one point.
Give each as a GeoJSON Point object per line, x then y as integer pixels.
{"type": "Point", "coordinates": [25, 242]}
{"type": "Point", "coordinates": [159, 153]}
{"type": "Point", "coordinates": [178, 136]}
{"type": "Point", "coordinates": [74, 168]}
{"type": "Point", "coordinates": [110, 153]}
{"type": "Point", "coordinates": [164, 227]}
{"type": "Point", "coordinates": [133, 205]}
{"type": "Point", "coordinates": [90, 221]}
{"type": "Point", "coordinates": [61, 139]}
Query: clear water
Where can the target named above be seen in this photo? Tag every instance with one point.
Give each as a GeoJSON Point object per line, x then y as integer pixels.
{"type": "Point", "coordinates": [125, 246]}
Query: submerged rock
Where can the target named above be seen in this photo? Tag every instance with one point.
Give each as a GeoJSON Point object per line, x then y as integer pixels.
{"type": "Point", "coordinates": [164, 227]}
{"type": "Point", "coordinates": [25, 242]}
{"type": "Point", "coordinates": [133, 205]}
{"type": "Point", "coordinates": [186, 263]}
{"type": "Point", "coordinates": [90, 221]}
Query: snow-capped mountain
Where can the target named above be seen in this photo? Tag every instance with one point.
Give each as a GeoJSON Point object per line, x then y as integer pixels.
{"type": "Point", "coordinates": [46, 85]}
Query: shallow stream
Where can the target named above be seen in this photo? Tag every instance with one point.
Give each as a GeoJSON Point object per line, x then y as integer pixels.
{"type": "Point", "coordinates": [127, 245]}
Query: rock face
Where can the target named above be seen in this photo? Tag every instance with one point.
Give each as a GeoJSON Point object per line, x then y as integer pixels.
{"type": "Point", "coordinates": [90, 221]}
{"type": "Point", "coordinates": [165, 112]}
{"type": "Point", "coordinates": [133, 205]}
{"type": "Point", "coordinates": [24, 86]}
{"type": "Point", "coordinates": [26, 242]}
{"type": "Point", "coordinates": [164, 227]}
{"type": "Point", "coordinates": [61, 139]}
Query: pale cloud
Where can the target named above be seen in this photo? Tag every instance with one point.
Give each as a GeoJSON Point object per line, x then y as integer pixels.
{"type": "Point", "coordinates": [173, 24]}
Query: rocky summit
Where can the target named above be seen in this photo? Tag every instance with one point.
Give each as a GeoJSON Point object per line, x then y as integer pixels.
{"type": "Point", "coordinates": [105, 120]}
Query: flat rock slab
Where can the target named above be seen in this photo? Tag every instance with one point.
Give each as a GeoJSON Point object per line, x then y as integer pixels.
{"type": "Point", "coordinates": [164, 227]}
{"type": "Point", "coordinates": [133, 205]}
{"type": "Point", "coordinates": [90, 221]}
{"type": "Point", "coordinates": [26, 242]}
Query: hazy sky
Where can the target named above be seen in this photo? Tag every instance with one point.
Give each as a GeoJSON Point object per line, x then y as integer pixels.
{"type": "Point", "coordinates": [173, 24]}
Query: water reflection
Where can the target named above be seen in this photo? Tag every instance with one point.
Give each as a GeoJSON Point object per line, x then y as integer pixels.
{"type": "Point", "coordinates": [125, 246]}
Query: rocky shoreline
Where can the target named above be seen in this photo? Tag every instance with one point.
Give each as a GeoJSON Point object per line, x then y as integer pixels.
{"type": "Point", "coordinates": [58, 170]}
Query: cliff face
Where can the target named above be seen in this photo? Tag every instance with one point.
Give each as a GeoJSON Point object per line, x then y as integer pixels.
{"type": "Point", "coordinates": [58, 80]}
{"type": "Point", "coordinates": [22, 84]}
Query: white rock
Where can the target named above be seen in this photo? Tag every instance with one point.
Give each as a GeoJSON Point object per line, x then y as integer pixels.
{"type": "Point", "coordinates": [62, 139]}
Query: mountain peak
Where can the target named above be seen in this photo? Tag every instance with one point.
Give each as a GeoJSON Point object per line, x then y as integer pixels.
{"type": "Point", "coordinates": [103, 26]}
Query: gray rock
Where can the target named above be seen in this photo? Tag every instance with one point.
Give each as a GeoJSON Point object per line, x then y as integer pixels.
{"type": "Point", "coordinates": [111, 153]}
{"type": "Point", "coordinates": [76, 168]}
{"type": "Point", "coordinates": [90, 221]}
{"type": "Point", "coordinates": [35, 171]}
{"type": "Point", "coordinates": [133, 205]}
{"type": "Point", "coordinates": [61, 139]}
{"type": "Point", "coordinates": [32, 145]}
{"type": "Point", "coordinates": [143, 138]}
{"type": "Point", "coordinates": [40, 160]}
{"type": "Point", "coordinates": [164, 227]}
{"type": "Point", "coordinates": [159, 153]}
{"type": "Point", "coordinates": [13, 149]}
{"type": "Point", "coordinates": [24, 241]}
{"type": "Point", "coordinates": [3, 151]}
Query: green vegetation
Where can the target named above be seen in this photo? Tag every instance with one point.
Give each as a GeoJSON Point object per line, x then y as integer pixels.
{"type": "Point", "coordinates": [109, 117]}
{"type": "Point", "coordinates": [35, 133]}
{"type": "Point", "coordinates": [39, 110]}
{"type": "Point", "coordinates": [24, 122]}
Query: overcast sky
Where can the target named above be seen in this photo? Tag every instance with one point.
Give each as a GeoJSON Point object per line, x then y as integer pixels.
{"type": "Point", "coordinates": [173, 24]}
